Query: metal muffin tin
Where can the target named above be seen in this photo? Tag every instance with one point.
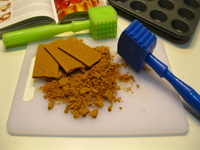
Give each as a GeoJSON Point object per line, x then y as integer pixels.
{"type": "Point", "coordinates": [178, 18]}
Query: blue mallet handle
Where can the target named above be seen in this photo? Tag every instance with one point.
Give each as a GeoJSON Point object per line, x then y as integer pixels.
{"type": "Point", "coordinates": [186, 92]}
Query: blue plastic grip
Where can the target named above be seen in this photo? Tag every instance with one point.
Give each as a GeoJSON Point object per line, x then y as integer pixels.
{"type": "Point", "coordinates": [185, 91]}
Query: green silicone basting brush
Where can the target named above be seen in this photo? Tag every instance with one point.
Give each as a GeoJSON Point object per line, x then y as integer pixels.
{"type": "Point", "coordinates": [102, 23]}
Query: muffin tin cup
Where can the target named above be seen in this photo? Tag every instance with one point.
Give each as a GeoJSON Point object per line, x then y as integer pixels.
{"type": "Point", "coordinates": [178, 18]}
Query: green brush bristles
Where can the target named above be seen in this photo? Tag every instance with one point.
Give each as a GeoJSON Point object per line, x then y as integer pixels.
{"type": "Point", "coordinates": [103, 21]}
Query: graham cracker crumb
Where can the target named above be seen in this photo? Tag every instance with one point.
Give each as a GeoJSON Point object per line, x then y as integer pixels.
{"type": "Point", "coordinates": [84, 111]}
{"type": "Point", "coordinates": [94, 113]}
{"type": "Point", "coordinates": [75, 114]}
{"type": "Point", "coordinates": [109, 108]}
{"type": "Point", "coordinates": [51, 105]}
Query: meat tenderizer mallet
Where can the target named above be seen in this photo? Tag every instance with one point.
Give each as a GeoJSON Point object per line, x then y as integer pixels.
{"type": "Point", "coordinates": [136, 45]}
{"type": "Point", "coordinates": [102, 23]}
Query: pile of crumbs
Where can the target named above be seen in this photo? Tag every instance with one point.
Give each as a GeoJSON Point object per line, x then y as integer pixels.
{"type": "Point", "coordinates": [88, 87]}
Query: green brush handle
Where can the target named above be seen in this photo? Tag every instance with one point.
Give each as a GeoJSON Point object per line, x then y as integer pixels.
{"type": "Point", "coordinates": [42, 32]}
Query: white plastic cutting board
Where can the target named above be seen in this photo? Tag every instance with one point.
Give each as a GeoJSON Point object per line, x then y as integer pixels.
{"type": "Point", "coordinates": [153, 109]}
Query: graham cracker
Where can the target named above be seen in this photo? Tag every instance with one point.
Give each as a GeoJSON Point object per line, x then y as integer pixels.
{"type": "Point", "coordinates": [80, 51]}
{"type": "Point", "coordinates": [68, 63]}
{"type": "Point", "coordinates": [45, 66]}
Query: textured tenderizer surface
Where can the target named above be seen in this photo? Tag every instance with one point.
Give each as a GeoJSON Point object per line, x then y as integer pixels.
{"type": "Point", "coordinates": [135, 43]}
{"type": "Point", "coordinates": [103, 21]}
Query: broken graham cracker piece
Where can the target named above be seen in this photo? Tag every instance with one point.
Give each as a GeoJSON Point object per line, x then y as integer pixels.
{"type": "Point", "coordinates": [45, 66]}
{"type": "Point", "coordinates": [110, 108]}
{"type": "Point", "coordinates": [84, 111]}
{"type": "Point", "coordinates": [68, 63]}
{"type": "Point", "coordinates": [94, 113]}
{"type": "Point", "coordinates": [80, 51]}
{"type": "Point", "coordinates": [75, 113]}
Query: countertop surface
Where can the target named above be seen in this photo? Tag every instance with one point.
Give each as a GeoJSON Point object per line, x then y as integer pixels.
{"type": "Point", "coordinates": [184, 58]}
